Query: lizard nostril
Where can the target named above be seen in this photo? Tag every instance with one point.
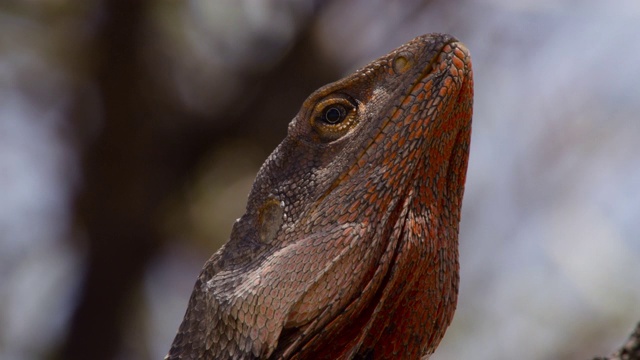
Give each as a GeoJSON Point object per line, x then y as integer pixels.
{"type": "Point", "coordinates": [401, 63]}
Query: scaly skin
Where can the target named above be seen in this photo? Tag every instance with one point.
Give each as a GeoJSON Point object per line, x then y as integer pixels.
{"type": "Point", "coordinates": [349, 245]}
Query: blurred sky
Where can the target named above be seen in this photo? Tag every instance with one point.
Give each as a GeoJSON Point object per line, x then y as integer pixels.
{"type": "Point", "coordinates": [550, 229]}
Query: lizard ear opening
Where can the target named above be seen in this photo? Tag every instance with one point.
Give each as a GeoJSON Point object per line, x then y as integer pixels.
{"type": "Point", "coordinates": [333, 117]}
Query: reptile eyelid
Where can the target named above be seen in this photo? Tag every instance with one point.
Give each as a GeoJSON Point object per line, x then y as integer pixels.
{"type": "Point", "coordinates": [327, 131]}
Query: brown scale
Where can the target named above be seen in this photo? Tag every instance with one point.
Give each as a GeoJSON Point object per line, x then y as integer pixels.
{"type": "Point", "coordinates": [349, 245]}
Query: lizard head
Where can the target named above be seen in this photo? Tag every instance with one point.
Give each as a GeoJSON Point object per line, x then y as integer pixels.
{"type": "Point", "coordinates": [365, 133]}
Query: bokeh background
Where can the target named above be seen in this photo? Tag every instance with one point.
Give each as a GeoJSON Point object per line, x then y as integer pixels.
{"type": "Point", "coordinates": [131, 131]}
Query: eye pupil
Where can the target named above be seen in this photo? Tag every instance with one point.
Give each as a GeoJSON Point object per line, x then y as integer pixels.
{"type": "Point", "coordinates": [334, 114]}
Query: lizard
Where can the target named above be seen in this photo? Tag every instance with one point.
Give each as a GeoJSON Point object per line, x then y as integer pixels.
{"type": "Point", "coordinates": [349, 245]}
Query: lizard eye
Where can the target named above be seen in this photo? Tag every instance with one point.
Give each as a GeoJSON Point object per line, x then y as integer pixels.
{"type": "Point", "coordinates": [334, 114]}
{"type": "Point", "coordinates": [334, 117]}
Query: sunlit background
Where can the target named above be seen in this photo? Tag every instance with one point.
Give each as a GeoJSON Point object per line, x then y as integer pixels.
{"type": "Point", "coordinates": [131, 131]}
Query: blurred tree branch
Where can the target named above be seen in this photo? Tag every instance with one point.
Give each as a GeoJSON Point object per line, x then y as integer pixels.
{"type": "Point", "coordinates": [121, 188]}
{"type": "Point", "coordinates": [630, 350]}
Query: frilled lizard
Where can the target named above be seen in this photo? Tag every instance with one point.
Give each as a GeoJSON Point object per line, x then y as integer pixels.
{"type": "Point", "coordinates": [349, 245]}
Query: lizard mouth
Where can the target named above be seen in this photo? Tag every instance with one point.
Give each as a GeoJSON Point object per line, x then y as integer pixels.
{"type": "Point", "coordinates": [450, 134]}
{"type": "Point", "coordinates": [429, 127]}
{"type": "Point", "coordinates": [452, 60]}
